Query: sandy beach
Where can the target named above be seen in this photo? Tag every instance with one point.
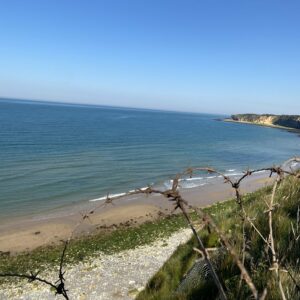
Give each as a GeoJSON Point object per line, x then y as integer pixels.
{"type": "Point", "coordinates": [20, 235]}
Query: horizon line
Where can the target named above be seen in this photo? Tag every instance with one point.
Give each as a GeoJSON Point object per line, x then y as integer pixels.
{"type": "Point", "coordinates": [105, 105]}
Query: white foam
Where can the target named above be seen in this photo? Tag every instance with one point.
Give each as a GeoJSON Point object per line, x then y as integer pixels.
{"type": "Point", "coordinates": [233, 174]}
{"type": "Point", "coordinates": [168, 184]}
{"type": "Point", "coordinates": [98, 199]}
{"type": "Point", "coordinates": [112, 196]}
{"type": "Point", "coordinates": [185, 183]}
{"type": "Point", "coordinates": [295, 164]}
{"type": "Point", "coordinates": [192, 185]}
{"type": "Point", "coordinates": [191, 179]}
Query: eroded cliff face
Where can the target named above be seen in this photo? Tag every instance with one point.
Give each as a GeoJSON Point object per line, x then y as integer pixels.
{"type": "Point", "coordinates": [269, 120]}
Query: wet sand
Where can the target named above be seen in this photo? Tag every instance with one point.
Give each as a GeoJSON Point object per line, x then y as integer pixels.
{"type": "Point", "coordinates": [27, 234]}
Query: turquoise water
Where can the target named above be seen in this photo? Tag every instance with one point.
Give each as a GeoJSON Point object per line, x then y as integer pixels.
{"type": "Point", "coordinates": [53, 154]}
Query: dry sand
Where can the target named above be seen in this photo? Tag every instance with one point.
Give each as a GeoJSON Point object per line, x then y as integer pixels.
{"type": "Point", "coordinates": [27, 234]}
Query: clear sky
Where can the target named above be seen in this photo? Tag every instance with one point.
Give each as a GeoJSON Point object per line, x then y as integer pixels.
{"type": "Point", "coordinates": [206, 56]}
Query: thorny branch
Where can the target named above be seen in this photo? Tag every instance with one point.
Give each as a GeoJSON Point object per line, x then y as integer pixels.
{"type": "Point", "coordinates": [173, 194]}
{"type": "Point", "coordinates": [58, 286]}
{"type": "Point", "coordinates": [244, 273]}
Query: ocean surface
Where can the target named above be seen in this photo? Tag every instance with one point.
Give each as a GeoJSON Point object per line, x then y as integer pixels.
{"type": "Point", "coordinates": [53, 155]}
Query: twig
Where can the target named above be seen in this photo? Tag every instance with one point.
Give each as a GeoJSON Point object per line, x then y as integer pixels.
{"type": "Point", "coordinates": [173, 195]}
{"type": "Point", "coordinates": [275, 265]}
{"type": "Point", "coordinates": [244, 272]}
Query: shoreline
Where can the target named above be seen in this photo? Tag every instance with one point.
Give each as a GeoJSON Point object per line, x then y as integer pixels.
{"type": "Point", "coordinates": [291, 129]}
{"type": "Point", "coordinates": [24, 235]}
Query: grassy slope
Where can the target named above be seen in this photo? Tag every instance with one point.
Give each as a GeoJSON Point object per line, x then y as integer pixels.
{"type": "Point", "coordinates": [258, 259]}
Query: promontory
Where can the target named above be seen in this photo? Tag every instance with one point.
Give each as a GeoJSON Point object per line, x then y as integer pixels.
{"type": "Point", "coordinates": [283, 121]}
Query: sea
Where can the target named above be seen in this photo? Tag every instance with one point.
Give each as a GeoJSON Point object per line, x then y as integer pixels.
{"type": "Point", "coordinates": [53, 155]}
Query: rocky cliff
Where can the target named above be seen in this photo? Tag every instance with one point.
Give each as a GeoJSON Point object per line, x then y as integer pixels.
{"type": "Point", "coordinates": [290, 121]}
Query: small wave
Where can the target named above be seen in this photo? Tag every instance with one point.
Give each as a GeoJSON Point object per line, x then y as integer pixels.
{"type": "Point", "coordinates": [168, 184]}
{"type": "Point", "coordinates": [112, 196]}
{"type": "Point", "coordinates": [142, 189]}
{"type": "Point", "coordinates": [188, 183]}
{"type": "Point", "coordinates": [192, 185]}
{"type": "Point", "coordinates": [295, 165]}
{"type": "Point", "coordinates": [231, 170]}
{"type": "Point", "coordinates": [191, 179]}
{"type": "Point", "coordinates": [233, 174]}
{"type": "Point", "coordinates": [98, 199]}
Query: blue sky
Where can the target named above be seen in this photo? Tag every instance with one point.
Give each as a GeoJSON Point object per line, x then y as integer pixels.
{"type": "Point", "coordinates": [204, 56]}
